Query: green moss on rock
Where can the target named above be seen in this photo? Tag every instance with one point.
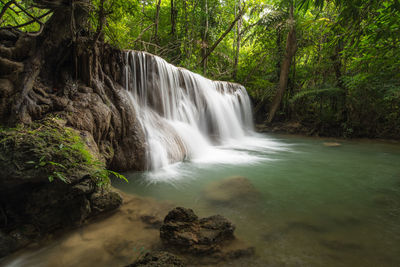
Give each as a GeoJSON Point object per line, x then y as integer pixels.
{"type": "Point", "coordinates": [47, 150]}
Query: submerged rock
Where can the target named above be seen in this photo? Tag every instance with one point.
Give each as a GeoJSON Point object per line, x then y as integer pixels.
{"type": "Point", "coordinates": [231, 190]}
{"type": "Point", "coordinates": [183, 230]}
{"type": "Point", "coordinates": [158, 259]}
{"type": "Point", "coordinates": [332, 144]}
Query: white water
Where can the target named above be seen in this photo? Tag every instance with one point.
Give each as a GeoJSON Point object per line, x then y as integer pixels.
{"type": "Point", "coordinates": [188, 117]}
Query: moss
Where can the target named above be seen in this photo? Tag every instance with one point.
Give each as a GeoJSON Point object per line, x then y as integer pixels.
{"type": "Point", "coordinates": [47, 149]}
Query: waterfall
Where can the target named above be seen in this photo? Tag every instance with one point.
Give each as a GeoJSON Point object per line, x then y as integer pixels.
{"type": "Point", "coordinates": [182, 113]}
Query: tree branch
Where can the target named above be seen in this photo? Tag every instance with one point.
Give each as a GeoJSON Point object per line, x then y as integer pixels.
{"type": "Point", "coordinates": [145, 30]}
{"type": "Point", "coordinates": [239, 15]}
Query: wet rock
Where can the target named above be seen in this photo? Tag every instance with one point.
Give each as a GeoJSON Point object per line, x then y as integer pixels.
{"type": "Point", "coordinates": [158, 259]}
{"type": "Point", "coordinates": [181, 215]}
{"type": "Point", "coordinates": [184, 231]}
{"type": "Point", "coordinates": [231, 190]}
{"type": "Point", "coordinates": [105, 201]}
{"type": "Point", "coordinates": [56, 206]}
{"type": "Point", "coordinates": [7, 244]}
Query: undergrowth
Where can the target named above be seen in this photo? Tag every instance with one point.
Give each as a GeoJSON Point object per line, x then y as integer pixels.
{"type": "Point", "coordinates": [48, 148]}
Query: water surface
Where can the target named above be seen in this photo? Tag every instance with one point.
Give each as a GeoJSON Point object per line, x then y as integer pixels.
{"type": "Point", "coordinates": [316, 204]}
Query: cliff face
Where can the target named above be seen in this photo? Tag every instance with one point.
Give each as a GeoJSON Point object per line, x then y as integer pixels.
{"type": "Point", "coordinates": [86, 90]}
{"type": "Point", "coordinates": [54, 85]}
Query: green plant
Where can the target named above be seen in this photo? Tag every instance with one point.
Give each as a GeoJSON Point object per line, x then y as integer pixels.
{"type": "Point", "coordinates": [48, 148]}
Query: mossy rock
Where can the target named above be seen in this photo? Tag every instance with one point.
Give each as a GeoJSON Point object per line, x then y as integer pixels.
{"type": "Point", "coordinates": [46, 150]}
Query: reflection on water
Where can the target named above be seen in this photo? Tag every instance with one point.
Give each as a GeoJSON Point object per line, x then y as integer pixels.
{"type": "Point", "coordinates": [300, 203]}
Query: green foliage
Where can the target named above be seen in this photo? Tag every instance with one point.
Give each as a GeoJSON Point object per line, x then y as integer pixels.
{"type": "Point", "coordinates": [312, 93]}
{"type": "Point", "coordinates": [15, 16]}
{"type": "Point", "coordinates": [345, 74]}
{"type": "Point", "coordinates": [48, 148]}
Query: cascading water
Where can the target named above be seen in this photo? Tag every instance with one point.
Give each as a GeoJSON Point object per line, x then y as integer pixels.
{"type": "Point", "coordinates": [182, 113]}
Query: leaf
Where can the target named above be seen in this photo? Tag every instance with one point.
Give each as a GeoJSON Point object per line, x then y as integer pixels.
{"type": "Point", "coordinates": [61, 177]}
{"type": "Point", "coordinates": [42, 163]}
{"type": "Point", "coordinates": [51, 178]}
{"type": "Point", "coordinates": [57, 164]}
{"type": "Point", "coordinates": [30, 162]}
{"type": "Point", "coordinates": [118, 175]}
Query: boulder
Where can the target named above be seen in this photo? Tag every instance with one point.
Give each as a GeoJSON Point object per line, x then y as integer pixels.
{"type": "Point", "coordinates": [105, 201]}
{"type": "Point", "coordinates": [184, 231]}
{"type": "Point", "coordinates": [49, 181]}
{"type": "Point", "coordinates": [158, 258]}
{"type": "Point", "coordinates": [231, 190]}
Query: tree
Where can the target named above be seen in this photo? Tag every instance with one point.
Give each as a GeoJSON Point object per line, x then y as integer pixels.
{"type": "Point", "coordinates": [291, 47]}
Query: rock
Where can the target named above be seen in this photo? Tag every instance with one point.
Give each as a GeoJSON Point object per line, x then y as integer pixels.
{"type": "Point", "coordinates": [7, 244]}
{"type": "Point", "coordinates": [332, 144]}
{"type": "Point", "coordinates": [103, 202]}
{"type": "Point", "coordinates": [46, 182]}
{"type": "Point", "coordinates": [231, 190]}
{"type": "Point", "coordinates": [158, 259]}
{"type": "Point", "coordinates": [181, 215]}
{"type": "Point", "coordinates": [184, 231]}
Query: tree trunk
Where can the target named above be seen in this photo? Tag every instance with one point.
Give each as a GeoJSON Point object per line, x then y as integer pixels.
{"type": "Point", "coordinates": [174, 12]}
{"type": "Point", "coordinates": [204, 42]}
{"type": "Point", "coordinates": [291, 47]}
{"type": "Point", "coordinates": [51, 46]}
{"type": "Point", "coordinates": [238, 39]}
{"type": "Point", "coordinates": [156, 20]}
